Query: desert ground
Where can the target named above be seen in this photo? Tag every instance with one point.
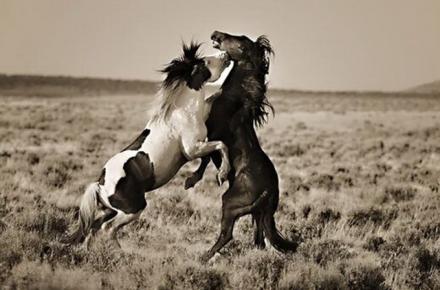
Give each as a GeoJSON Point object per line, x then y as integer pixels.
{"type": "Point", "coordinates": [359, 187]}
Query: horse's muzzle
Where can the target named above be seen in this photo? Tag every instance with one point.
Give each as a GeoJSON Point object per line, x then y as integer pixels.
{"type": "Point", "coordinates": [217, 38]}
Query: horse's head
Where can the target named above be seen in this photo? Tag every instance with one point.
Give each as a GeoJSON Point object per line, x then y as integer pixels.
{"type": "Point", "coordinates": [216, 64]}
{"type": "Point", "coordinates": [193, 69]}
{"type": "Point", "coordinates": [247, 53]}
{"type": "Point", "coordinates": [247, 80]}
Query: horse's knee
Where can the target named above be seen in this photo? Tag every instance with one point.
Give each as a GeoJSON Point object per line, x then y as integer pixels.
{"type": "Point", "coordinates": [221, 146]}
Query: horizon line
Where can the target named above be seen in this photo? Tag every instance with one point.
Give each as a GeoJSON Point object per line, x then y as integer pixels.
{"type": "Point", "coordinates": [282, 89]}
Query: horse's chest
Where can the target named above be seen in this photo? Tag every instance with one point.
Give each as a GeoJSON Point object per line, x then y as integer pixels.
{"type": "Point", "coordinates": [193, 123]}
{"type": "Point", "coordinates": [198, 112]}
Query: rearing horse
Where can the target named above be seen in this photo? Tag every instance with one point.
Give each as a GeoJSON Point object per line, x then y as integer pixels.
{"type": "Point", "coordinates": [175, 134]}
{"type": "Point", "coordinates": [253, 178]}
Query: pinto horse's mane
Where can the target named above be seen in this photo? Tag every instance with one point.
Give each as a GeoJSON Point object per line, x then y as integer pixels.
{"type": "Point", "coordinates": [163, 103]}
{"type": "Point", "coordinates": [179, 73]}
{"type": "Point", "coordinates": [255, 100]}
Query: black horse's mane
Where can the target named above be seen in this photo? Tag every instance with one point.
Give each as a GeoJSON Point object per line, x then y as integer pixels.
{"type": "Point", "coordinates": [255, 102]}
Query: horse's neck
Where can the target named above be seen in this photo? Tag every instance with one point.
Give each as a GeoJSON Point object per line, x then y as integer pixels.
{"type": "Point", "coordinates": [243, 130]}
{"type": "Point", "coordinates": [241, 72]}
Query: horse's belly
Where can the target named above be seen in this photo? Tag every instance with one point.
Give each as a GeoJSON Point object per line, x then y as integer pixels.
{"type": "Point", "coordinates": [165, 154]}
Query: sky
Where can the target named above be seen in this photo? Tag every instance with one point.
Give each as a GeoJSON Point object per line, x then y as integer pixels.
{"type": "Point", "coordinates": [320, 44]}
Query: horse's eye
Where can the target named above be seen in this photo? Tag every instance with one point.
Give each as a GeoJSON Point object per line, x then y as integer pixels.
{"type": "Point", "coordinates": [208, 62]}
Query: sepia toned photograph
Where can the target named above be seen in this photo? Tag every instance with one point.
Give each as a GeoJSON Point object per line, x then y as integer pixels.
{"type": "Point", "coordinates": [244, 144]}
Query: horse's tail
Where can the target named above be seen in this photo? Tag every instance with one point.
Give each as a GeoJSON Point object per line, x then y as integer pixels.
{"type": "Point", "coordinates": [274, 236]}
{"type": "Point", "coordinates": [87, 210]}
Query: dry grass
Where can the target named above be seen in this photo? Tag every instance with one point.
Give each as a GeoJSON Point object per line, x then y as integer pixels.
{"type": "Point", "coordinates": [359, 185]}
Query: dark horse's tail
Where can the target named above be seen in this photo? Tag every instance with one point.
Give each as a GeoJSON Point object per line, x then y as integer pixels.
{"type": "Point", "coordinates": [274, 236]}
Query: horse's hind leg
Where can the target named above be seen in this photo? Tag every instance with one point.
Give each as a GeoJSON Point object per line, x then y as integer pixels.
{"type": "Point", "coordinates": [227, 227]}
{"type": "Point", "coordinates": [106, 215]}
{"type": "Point", "coordinates": [127, 211]}
{"type": "Point", "coordinates": [229, 216]}
{"type": "Point", "coordinates": [129, 194]}
{"type": "Point", "coordinates": [258, 233]}
{"type": "Point", "coordinates": [121, 219]}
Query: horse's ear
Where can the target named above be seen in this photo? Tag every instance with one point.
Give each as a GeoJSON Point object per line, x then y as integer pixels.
{"type": "Point", "coordinates": [199, 75]}
{"type": "Point", "coordinates": [264, 44]}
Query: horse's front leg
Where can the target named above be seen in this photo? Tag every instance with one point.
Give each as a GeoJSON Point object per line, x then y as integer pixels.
{"type": "Point", "coordinates": [197, 175]}
{"type": "Point", "coordinates": [200, 149]}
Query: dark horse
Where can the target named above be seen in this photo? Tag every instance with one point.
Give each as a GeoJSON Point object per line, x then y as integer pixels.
{"type": "Point", "coordinates": [253, 180]}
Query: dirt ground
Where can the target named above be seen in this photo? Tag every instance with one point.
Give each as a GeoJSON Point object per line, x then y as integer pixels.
{"type": "Point", "coordinates": [359, 177]}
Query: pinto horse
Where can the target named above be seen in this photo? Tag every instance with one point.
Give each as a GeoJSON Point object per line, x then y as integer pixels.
{"type": "Point", "coordinates": [253, 178]}
{"type": "Point", "coordinates": [175, 134]}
